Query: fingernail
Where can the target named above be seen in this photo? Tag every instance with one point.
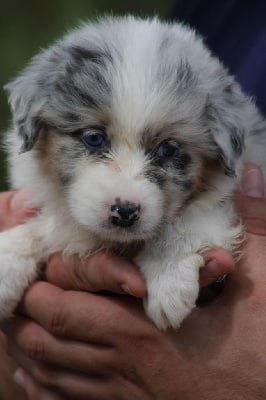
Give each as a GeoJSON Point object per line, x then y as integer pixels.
{"type": "Point", "coordinates": [19, 377]}
{"type": "Point", "coordinates": [20, 200]}
{"type": "Point", "coordinates": [125, 288]}
{"type": "Point", "coordinates": [212, 265]}
{"type": "Point", "coordinates": [252, 183]}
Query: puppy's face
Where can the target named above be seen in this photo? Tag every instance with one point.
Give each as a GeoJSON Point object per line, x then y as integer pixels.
{"type": "Point", "coordinates": [123, 117]}
{"type": "Point", "coordinates": [122, 183]}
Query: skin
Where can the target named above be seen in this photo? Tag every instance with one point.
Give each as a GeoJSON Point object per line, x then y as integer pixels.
{"type": "Point", "coordinates": [89, 346]}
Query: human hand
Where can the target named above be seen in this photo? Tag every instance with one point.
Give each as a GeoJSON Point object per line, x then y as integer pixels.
{"type": "Point", "coordinates": [104, 271]}
{"type": "Point", "coordinates": [111, 331]}
{"type": "Point", "coordinates": [14, 208]}
{"type": "Point", "coordinates": [59, 355]}
{"type": "Point", "coordinates": [121, 355]}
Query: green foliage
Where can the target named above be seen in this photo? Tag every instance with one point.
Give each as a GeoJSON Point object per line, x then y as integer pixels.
{"type": "Point", "coordinates": [27, 26]}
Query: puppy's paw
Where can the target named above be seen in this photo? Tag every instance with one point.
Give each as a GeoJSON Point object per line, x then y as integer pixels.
{"type": "Point", "coordinates": [15, 275]}
{"type": "Point", "coordinates": [172, 295]}
{"type": "Point", "coordinates": [170, 306]}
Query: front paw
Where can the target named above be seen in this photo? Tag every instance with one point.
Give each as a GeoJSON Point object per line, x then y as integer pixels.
{"type": "Point", "coordinates": [172, 295]}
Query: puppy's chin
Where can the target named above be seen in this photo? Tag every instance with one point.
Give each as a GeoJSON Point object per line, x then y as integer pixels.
{"type": "Point", "coordinates": [124, 234]}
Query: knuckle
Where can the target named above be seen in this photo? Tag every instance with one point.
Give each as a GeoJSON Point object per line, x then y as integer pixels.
{"type": "Point", "coordinates": [79, 275]}
{"type": "Point", "coordinates": [99, 272]}
{"type": "Point", "coordinates": [107, 266]}
{"type": "Point", "coordinates": [57, 322]}
{"type": "Point", "coordinates": [102, 258]}
{"type": "Point", "coordinates": [44, 375]}
{"type": "Point", "coordinates": [88, 272]}
{"type": "Point", "coordinates": [34, 348]}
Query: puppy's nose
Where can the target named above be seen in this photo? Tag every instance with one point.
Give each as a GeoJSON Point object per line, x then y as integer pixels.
{"type": "Point", "coordinates": [124, 214]}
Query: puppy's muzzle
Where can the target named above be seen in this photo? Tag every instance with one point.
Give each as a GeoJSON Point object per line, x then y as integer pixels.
{"type": "Point", "coordinates": [124, 214]}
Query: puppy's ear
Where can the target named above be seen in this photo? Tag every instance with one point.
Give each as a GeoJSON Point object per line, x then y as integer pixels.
{"type": "Point", "coordinates": [26, 99]}
{"type": "Point", "coordinates": [230, 116]}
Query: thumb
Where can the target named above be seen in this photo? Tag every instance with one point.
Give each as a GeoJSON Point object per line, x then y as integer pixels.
{"type": "Point", "coordinates": [250, 200]}
{"type": "Point", "coordinates": [218, 262]}
{"type": "Point", "coordinates": [100, 271]}
{"type": "Point", "coordinates": [14, 208]}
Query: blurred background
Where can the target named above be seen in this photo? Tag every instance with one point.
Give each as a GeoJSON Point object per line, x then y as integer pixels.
{"type": "Point", "coordinates": [27, 26]}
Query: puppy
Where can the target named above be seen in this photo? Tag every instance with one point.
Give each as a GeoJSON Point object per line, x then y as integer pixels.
{"type": "Point", "coordinates": [131, 137]}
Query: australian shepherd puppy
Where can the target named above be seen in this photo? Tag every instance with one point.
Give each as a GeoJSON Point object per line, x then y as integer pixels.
{"type": "Point", "coordinates": [131, 137]}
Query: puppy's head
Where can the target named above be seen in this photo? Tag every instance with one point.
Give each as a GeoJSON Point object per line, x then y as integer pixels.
{"type": "Point", "coordinates": [131, 120]}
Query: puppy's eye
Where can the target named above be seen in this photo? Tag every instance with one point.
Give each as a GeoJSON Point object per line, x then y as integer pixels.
{"type": "Point", "coordinates": [94, 138]}
{"type": "Point", "coordinates": [168, 149]}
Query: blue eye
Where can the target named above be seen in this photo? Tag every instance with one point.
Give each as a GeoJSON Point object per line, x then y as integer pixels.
{"type": "Point", "coordinates": [168, 149]}
{"type": "Point", "coordinates": [94, 138]}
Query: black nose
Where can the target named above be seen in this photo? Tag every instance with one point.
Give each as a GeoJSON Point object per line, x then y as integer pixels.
{"type": "Point", "coordinates": [124, 214]}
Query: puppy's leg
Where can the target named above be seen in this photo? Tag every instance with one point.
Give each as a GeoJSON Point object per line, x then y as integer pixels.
{"type": "Point", "coordinates": [22, 247]}
{"type": "Point", "coordinates": [171, 264]}
{"type": "Point", "coordinates": [172, 281]}
{"type": "Point", "coordinates": [19, 253]}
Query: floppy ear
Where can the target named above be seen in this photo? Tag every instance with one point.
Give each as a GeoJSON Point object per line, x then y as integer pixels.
{"type": "Point", "coordinates": [48, 89]}
{"type": "Point", "coordinates": [28, 95]}
{"type": "Point", "coordinates": [231, 117]}
{"type": "Point", "coordinates": [26, 100]}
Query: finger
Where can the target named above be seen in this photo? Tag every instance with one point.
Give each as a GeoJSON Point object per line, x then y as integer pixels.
{"type": "Point", "coordinates": [39, 345]}
{"type": "Point", "coordinates": [252, 212]}
{"type": "Point", "coordinates": [250, 201]}
{"type": "Point", "coordinates": [252, 183]}
{"type": "Point", "coordinates": [46, 382]}
{"type": "Point", "coordinates": [75, 386]}
{"type": "Point", "coordinates": [33, 390]}
{"type": "Point", "coordinates": [61, 312]}
{"type": "Point", "coordinates": [250, 204]}
{"type": "Point", "coordinates": [101, 271]}
{"type": "Point", "coordinates": [14, 208]}
{"type": "Point", "coordinates": [218, 262]}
